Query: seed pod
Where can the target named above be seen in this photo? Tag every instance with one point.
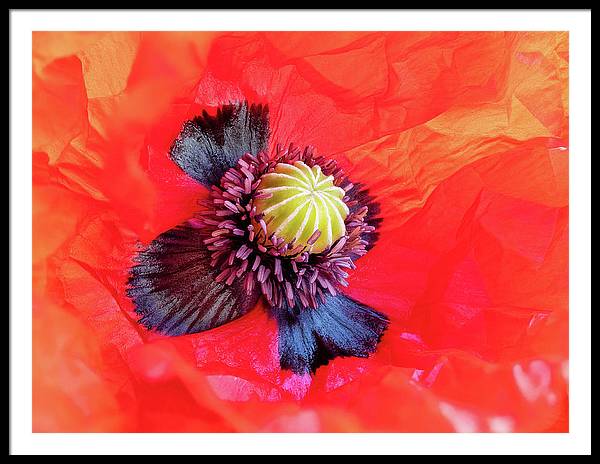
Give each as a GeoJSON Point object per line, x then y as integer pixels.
{"type": "Point", "coordinates": [296, 201]}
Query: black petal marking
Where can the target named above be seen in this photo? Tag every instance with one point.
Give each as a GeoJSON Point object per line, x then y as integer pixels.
{"type": "Point", "coordinates": [209, 145]}
{"type": "Point", "coordinates": [309, 338]}
{"type": "Point", "coordinates": [173, 288]}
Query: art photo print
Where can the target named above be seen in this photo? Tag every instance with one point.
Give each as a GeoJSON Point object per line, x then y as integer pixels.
{"type": "Point", "coordinates": [300, 231]}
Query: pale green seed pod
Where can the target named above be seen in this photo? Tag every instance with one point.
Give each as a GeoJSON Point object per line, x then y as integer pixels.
{"type": "Point", "coordinates": [302, 200]}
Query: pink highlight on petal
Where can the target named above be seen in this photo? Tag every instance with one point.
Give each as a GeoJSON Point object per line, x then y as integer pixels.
{"type": "Point", "coordinates": [534, 381]}
{"type": "Point", "coordinates": [462, 421]}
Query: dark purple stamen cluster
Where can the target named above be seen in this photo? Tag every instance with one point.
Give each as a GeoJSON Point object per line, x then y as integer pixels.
{"type": "Point", "coordinates": [240, 248]}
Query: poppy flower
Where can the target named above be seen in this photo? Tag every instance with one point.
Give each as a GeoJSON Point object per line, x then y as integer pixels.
{"type": "Point", "coordinates": [300, 231]}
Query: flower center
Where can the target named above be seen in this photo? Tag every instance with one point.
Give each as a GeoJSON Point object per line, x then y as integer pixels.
{"type": "Point", "coordinates": [291, 224]}
{"type": "Point", "coordinates": [301, 206]}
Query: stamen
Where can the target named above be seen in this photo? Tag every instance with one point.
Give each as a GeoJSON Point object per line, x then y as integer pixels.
{"type": "Point", "coordinates": [314, 237]}
{"type": "Point", "coordinates": [263, 195]}
{"type": "Point", "coordinates": [304, 260]}
{"type": "Point", "coordinates": [256, 263]}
